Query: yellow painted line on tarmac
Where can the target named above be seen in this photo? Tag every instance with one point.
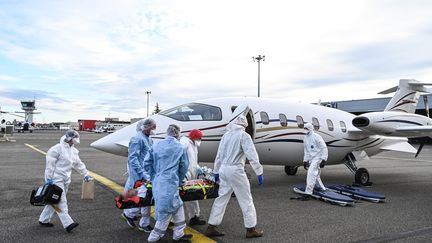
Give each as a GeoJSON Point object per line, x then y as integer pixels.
{"type": "Point", "coordinates": [197, 236]}
{"type": "Point", "coordinates": [36, 149]}
{"type": "Point", "coordinates": [107, 182]}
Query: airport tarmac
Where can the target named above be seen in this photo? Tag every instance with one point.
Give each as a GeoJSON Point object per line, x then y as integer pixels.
{"type": "Point", "coordinates": [406, 216]}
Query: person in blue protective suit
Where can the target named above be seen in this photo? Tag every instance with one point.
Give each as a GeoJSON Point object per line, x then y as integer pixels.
{"type": "Point", "coordinates": [139, 145]}
{"type": "Point", "coordinates": [235, 146]}
{"type": "Point", "coordinates": [60, 160]}
{"type": "Point", "coordinates": [167, 165]}
{"type": "Point", "coordinates": [315, 156]}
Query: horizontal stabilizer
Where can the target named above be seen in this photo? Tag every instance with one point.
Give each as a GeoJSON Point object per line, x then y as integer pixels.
{"type": "Point", "coordinates": [389, 91]}
{"type": "Point", "coordinates": [420, 87]}
{"type": "Point", "coordinates": [418, 84]}
{"type": "Point", "coordinates": [413, 84]}
{"type": "Point", "coordinates": [401, 147]}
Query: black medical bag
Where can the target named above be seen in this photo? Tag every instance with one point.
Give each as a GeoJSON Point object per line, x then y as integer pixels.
{"type": "Point", "coordinates": [46, 194]}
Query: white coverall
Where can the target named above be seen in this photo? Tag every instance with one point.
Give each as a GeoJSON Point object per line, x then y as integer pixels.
{"type": "Point", "coordinates": [60, 160]}
{"type": "Point", "coordinates": [192, 207]}
{"type": "Point", "coordinates": [235, 146]}
{"type": "Point", "coordinates": [315, 151]}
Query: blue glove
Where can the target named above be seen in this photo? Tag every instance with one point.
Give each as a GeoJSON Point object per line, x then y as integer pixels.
{"type": "Point", "coordinates": [260, 179]}
{"type": "Point", "coordinates": [88, 178]}
{"type": "Point", "coordinates": [49, 182]}
{"type": "Point", "coordinates": [216, 177]}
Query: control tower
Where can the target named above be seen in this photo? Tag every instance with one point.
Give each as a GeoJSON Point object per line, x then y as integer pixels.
{"type": "Point", "coordinates": [29, 107]}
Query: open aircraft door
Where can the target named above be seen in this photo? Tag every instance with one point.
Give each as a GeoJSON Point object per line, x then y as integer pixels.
{"type": "Point", "coordinates": [245, 110]}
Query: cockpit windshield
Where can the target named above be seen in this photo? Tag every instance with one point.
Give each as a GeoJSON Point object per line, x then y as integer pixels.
{"type": "Point", "coordinates": [194, 112]}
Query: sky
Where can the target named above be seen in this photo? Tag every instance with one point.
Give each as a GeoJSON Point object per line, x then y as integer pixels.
{"type": "Point", "coordinates": [95, 59]}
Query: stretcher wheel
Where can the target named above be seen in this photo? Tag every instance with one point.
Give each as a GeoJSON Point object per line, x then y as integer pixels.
{"type": "Point", "coordinates": [362, 176]}
{"type": "Point", "coordinates": [291, 170]}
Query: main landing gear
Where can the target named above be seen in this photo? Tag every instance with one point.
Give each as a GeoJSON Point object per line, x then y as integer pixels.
{"type": "Point", "coordinates": [361, 175]}
{"type": "Point", "coordinates": [291, 170]}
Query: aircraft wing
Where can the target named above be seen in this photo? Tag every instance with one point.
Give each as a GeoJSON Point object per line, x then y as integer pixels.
{"type": "Point", "coordinates": [355, 130]}
{"type": "Point", "coordinates": [421, 130]}
{"type": "Point", "coordinates": [401, 147]}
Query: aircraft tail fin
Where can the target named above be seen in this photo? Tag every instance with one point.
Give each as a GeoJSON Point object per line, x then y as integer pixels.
{"type": "Point", "coordinates": [407, 95]}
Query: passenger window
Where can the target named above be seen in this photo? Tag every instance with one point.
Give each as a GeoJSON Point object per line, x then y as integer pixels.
{"type": "Point", "coordinates": [283, 120]}
{"type": "Point", "coordinates": [300, 122]}
{"type": "Point", "coordinates": [330, 125]}
{"type": "Point", "coordinates": [343, 126]}
{"type": "Point", "coordinates": [194, 112]}
{"type": "Point", "coordinates": [315, 123]}
{"type": "Point", "coordinates": [264, 118]}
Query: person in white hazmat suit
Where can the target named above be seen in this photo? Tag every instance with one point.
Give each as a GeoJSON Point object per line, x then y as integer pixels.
{"type": "Point", "coordinates": [315, 156]}
{"type": "Point", "coordinates": [235, 146]}
{"type": "Point", "coordinates": [60, 160]}
{"type": "Point", "coordinates": [191, 144]}
{"type": "Point", "coordinates": [167, 165]}
{"type": "Point", "coordinates": [139, 145]}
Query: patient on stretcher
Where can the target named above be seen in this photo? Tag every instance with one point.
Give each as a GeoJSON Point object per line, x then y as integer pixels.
{"type": "Point", "coordinates": [141, 194]}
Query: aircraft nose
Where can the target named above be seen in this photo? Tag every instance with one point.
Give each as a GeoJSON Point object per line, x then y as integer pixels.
{"type": "Point", "coordinates": [107, 145]}
{"type": "Point", "coordinates": [101, 144]}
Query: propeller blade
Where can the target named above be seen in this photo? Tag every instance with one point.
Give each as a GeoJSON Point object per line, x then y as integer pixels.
{"type": "Point", "coordinates": [426, 104]}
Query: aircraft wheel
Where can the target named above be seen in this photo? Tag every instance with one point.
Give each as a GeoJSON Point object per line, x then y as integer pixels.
{"type": "Point", "coordinates": [291, 170]}
{"type": "Point", "coordinates": [362, 176]}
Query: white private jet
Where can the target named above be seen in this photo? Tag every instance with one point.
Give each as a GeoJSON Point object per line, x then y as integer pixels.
{"type": "Point", "coordinates": [277, 128]}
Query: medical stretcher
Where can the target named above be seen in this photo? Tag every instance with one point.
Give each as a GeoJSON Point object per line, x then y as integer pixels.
{"type": "Point", "coordinates": [356, 192]}
{"type": "Point", "coordinates": [199, 189]}
{"type": "Point", "coordinates": [342, 194]}
{"type": "Point", "coordinates": [327, 195]}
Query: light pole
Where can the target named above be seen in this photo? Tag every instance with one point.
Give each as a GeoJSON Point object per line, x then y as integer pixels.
{"type": "Point", "coordinates": [148, 94]}
{"type": "Point", "coordinates": [258, 59]}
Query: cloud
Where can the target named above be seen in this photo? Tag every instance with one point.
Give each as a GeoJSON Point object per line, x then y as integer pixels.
{"type": "Point", "coordinates": [99, 57]}
{"type": "Point", "coordinates": [409, 54]}
{"type": "Point", "coordinates": [7, 78]}
{"type": "Point", "coordinates": [26, 94]}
